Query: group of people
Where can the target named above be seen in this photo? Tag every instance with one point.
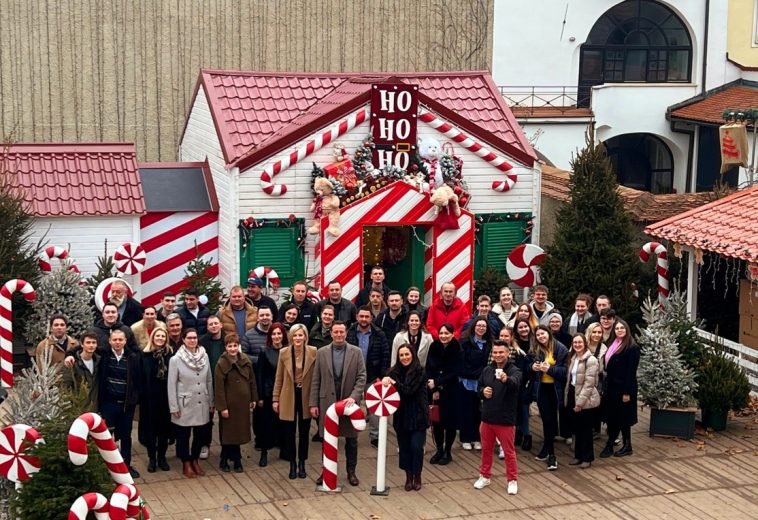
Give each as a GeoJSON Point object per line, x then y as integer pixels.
{"type": "Point", "coordinates": [266, 372]}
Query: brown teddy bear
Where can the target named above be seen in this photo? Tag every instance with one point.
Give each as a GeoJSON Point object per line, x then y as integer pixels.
{"type": "Point", "coordinates": [325, 203]}
{"type": "Point", "coordinates": [446, 206]}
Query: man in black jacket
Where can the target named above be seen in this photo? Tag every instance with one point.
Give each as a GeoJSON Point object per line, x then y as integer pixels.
{"type": "Point", "coordinates": [499, 388]}
{"type": "Point", "coordinates": [344, 309]}
{"type": "Point", "coordinates": [109, 323]}
{"type": "Point", "coordinates": [376, 354]}
{"type": "Point", "coordinates": [193, 316]}
{"type": "Point", "coordinates": [129, 310]}
{"type": "Point", "coordinates": [392, 319]}
{"type": "Point", "coordinates": [118, 392]}
{"type": "Point", "coordinates": [377, 282]}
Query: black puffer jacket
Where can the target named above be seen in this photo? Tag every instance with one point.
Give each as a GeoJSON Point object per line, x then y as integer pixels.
{"type": "Point", "coordinates": [378, 356]}
{"type": "Point", "coordinates": [502, 406]}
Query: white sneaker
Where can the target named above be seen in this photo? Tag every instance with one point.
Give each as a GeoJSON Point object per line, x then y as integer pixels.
{"type": "Point", "coordinates": [204, 452]}
{"type": "Point", "coordinates": [477, 445]}
{"type": "Point", "coordinates": [501, 454]}
{"type": "Point", "coordinates": [481, 482]}
{"type": "Point", "coordinates": [466, 446]}
{"type": "Point", "coordinates": [569, 441]}
{"type": "Point", "coordinates": [512, 487]}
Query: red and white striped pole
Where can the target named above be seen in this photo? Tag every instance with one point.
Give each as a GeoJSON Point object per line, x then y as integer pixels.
{"type": "Point", "coordinates": [92, 425]}
{"type": "Point", "coordinates": [662, 267]}
{"type": "Point", "coordinates": [331, 438]}
{"type": "Point", "coordinates": [90, 502]}
{"type": "Point", "coordinates": [382, 401]}
{"type": "Point", "coordinates": [6, 325]}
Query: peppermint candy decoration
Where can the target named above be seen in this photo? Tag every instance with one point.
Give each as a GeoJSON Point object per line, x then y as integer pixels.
{"type": "Point", "coordinates": [50, 252]}
{"type": "Point", "coordinates": [522, 265]}
{"type": "Point", "coordinates": [269, 274]}
{"type": "Point", "coordinates": [130, 258]}
{"type": "Point", "coordinates": [477, 148]}
{"type": "Point", "coordinates": [285, 161]}
{"type": "Point", "coordinates": [6, 325]}
{"type": "Point", "coordinates": [15, 464]}
{"type": "Point", "coordinates": [381, 400]}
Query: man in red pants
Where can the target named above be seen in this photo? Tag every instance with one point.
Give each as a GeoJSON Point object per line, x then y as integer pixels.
{"type": "Point", "coordinates": [499, 388]}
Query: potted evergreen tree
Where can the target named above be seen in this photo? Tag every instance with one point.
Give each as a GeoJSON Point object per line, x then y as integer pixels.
{"type": "Point", "coordinates": [722, 386]}
{"type": "Point", "coordinates": [666, 384]}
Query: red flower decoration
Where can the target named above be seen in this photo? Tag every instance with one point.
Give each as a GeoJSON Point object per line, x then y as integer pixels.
{"type": "Point", "coordinates": [292, 217]}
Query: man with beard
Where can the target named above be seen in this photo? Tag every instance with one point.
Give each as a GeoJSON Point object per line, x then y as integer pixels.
{"type": "Point", "coordinates": [255, 338]}
{"type": "Point", "coordinates": [307, 308]}
{"type": "Point", "coordinates": [129, 310]}
{"type": "Point", "coordinates": [377, 283]}
{"type": "Point", "coordinates": [238, 316]}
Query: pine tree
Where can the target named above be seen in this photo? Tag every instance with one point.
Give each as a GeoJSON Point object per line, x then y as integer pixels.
{"type": "Point", "coordinates": [198, 275]}
{"type": "Point", "coordinates": [489, 282]}
{"type": "Point", "coordinates": [692, 348]}
{"type": "Point", "coordinates": [60, 292]}
{"type": "Point", "coordinates": [663, 376]}
{"type": "Point", "coordinates": [106, 268]}
{"type": "Point", "coordinates": [594, 248]}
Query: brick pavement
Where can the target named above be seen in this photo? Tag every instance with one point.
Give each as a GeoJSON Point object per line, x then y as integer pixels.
{"type": "Point", "coordinates": [714, 476]}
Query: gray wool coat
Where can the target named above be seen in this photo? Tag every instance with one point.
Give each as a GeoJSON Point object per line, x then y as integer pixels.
{"type": "Point", "coordinates": [190, 392]}
{"type": "Point", "coordinates": [323, 393]}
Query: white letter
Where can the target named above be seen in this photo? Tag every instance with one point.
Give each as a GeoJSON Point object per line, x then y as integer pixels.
{"type": "Point", "coordinates": [404, 101]}
{"type": "Point", "coordinates": [388, 101]}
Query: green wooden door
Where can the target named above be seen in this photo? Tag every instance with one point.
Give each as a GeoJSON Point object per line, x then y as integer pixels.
{"type": "Point", "coordinates": [276, 247]}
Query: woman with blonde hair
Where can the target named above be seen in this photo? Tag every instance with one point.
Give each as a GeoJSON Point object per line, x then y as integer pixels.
{"type": "Point", "coordinates": [582, 399]}
{"type": "Point", "coordinates": [291, 395]}
{"type": "Point", "coordinates": [154, 428]}
{"type": "Point", "coordinates": [596, 347]}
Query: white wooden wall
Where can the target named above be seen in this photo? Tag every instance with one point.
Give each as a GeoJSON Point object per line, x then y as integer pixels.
{"type": "Point", "coordinates": [199, 143]}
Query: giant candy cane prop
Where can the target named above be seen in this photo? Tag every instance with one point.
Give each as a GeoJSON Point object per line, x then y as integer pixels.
{"type": "Point", "coordinates": [91, 424]}
{"type": "Point", "coordinates": [54, 252]}
{"type": "Point", "coordinates": [662, 267]}
{"type": "Point", "coordinates": [89, 502]}
{"type": "Point", "coordinates": [6, 325]}
{"type": "Point", "coordinates": [285, 161]}
{"type": "Point", "coordinates": [459, 137]}
{"type": "Point", "coordinates": [331, 435]}
{"type": "Point", "coordinates": [124, 503]}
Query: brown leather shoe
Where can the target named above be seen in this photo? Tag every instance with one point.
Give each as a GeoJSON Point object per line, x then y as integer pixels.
{"type": "Point", "coordinates": [417, 482]}
{"type": "Point", "coordinates": [352, 479]}
{"type": "Point", "coordinates": [197, 469]}
{"type": "Point", "coordinates": [188, 471]}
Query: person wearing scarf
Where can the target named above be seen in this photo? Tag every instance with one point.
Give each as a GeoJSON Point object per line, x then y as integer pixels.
{"type": "Point", "coordinates": [190, 397]}
{"type": "Point", "coordinates": [620, 396]}
{"type": "Point", "coordinates": [581, 318]}
{"type": "Point", "coordinates": [154, 416]}
{"type": "Point", "coordinates": [476, 351]}
{"type": "Point", "coordinates": [521, 346]}
{"type": "Point", "coordinates": [412, 416]}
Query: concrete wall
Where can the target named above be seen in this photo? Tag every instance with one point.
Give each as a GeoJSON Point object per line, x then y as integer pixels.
{"type": "Point", "coordinates": [742, 32]}
{"type": "Point", "coordinates": [93, 70]}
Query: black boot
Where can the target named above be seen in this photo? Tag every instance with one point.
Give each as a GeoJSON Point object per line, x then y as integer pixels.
{"type": "Point", "coordinates": [625, 450]}
{"type": "Point", "coordinates": [408, 481]}
{"type": "Point", "coordinates": [437, 457]}
{"type": "Point", "coordinates": [151, 465]}
{"type": "Point", "coordinates": [264, 459]}
{"type": "Point", "coordinates": [518, 439]}
{"type": "Point", "coordinates": [163, 463]}
{"type": "Point", "coordinates": [293, 470]}
{"type": "Point", "coordinates": [446, 459]}
{"type": "Point", "coordinates": [224, 466]}
{"type": "Point", "coordinates": [301, 469]}
{"type": "Point", "coordinates": [526, 444]}
{"type": "Point", "coordinates": [608, 450]}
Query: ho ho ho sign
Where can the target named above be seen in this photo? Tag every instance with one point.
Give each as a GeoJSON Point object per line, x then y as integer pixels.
{"type": "Point", "coordinates": [394, 114]}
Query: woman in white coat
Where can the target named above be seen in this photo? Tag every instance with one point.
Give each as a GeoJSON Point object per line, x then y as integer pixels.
{"type": "Point", "coordinates": [190, 399]}
{"type": "Point", "coordinates": [414, 334]}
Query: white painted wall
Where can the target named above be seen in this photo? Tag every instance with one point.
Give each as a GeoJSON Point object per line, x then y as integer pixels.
{"type": "Point", "coordinates": [558, 141]}
{"type": "Point", "coordinates": [85, 238]}
{"type": "Point", "coordinates": [199, 143]}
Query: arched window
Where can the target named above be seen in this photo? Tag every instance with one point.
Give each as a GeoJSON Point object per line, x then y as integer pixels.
{"type": "Point", "coordinates": [635, 41]}
{"type": "Point", "coordinates": [642, 162]}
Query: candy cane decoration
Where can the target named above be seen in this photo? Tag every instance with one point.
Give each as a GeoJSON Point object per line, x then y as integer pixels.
{"type": "Point", "coordinates": [332, 433]}
{"type": "Point", "coordinates": [459, 137]}
{"type": "Point", "coordinates": [54, 252]}
{"type": "Point", "coordinates": [94, 502]}
{"type": "Point", "coordinates": [91, 424]}
{"type": "Point", "coordinates": [269, 274]}
{"type": "Point", "coordinates": [130, 258]}
{"type": "Point", "coordinates": [6, 325]}
{"type": "Point", "coordinates": [15, 465]}
{"type": "Point", "coordinates": [126, 502]}
{"type": "Point", "coordinates": [662, 267]}
{"type": "Point", "coordinates": [285, 161]}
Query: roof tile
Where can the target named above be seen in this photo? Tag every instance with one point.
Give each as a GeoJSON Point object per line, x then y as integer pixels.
{"type": "Point", "coordinates": [254, 107]}
{"type": "Point", "coordinates": [77, 179]}
{"type": "Point", "coordinates": [711, 108]}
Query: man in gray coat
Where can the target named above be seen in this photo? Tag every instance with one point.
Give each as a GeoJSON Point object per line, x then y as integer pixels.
{"type": "Point", "coordinates": [339, 365]}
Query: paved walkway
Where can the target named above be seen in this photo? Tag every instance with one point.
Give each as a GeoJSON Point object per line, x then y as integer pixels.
{"type": "Point", "coordinates": [714, 476]}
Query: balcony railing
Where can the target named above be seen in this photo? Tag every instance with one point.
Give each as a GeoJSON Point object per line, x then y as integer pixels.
{"type": "Point", "coordinates": [533, 100]}
{"type": "Point", "coordinates": [744, 356]}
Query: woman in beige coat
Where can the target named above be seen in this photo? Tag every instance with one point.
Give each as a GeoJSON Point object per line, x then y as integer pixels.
{"type": "Point", "coordinates": [292, 393]}
{"type": "Point", "coordinates": [582, 398]}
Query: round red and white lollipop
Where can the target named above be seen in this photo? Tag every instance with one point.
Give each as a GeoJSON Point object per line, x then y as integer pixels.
{"type": "Point", "coordinates": [381, 400]}
{"type": "Point", "coordinates": [15, 464]}
{"type": "Point", "coordinates": [130, 258]}
{"type": "Point", "coordinates": [523, 263]}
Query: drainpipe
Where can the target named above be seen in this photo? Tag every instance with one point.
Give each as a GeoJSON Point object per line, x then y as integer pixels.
{"type": "Point", "coordinates": [705, 44]}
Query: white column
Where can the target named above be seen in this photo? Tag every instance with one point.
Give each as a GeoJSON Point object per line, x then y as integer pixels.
{"type": "Point", "coordinates": [692, 283]}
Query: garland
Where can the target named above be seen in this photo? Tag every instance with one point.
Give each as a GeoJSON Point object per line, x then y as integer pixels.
{"type": "Point", "coordinates": [526, 218]}
{"type": "Point", "coordinates": [247, 225]}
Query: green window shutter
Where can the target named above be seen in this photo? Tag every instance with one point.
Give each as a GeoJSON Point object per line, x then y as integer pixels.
{"type": "Point", "coordinates": [498, 239]}
{"type": "Point", "coordinates": [275, 247]}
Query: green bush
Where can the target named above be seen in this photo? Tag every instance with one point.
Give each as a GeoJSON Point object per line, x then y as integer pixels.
{"type": "Point", "coordinates": [489, 282]}
{"type": "Point", "coordinates": [722, 384]}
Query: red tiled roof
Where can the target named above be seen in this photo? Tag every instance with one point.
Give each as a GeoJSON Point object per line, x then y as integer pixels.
{"type": "Point", "coordinates": [710, 108]}
{"type": "Point", "coordinates": [726, 226]}
{"type": "Point", "coordinates": [74, 179]}
{"type": "Point", "coordinates": [642, 206]}
{"type": "Point", "coordinates": [259, 113]}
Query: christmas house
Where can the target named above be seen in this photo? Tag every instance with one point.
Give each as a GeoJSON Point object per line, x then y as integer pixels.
{"type": "Point", "coordinates": [428, 174]}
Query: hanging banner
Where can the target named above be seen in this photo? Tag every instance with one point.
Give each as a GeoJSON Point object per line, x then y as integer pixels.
{"type": "Point", "coordinates": [394, 114]}
{"type": "Point", "coordinates": [733, 142]}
